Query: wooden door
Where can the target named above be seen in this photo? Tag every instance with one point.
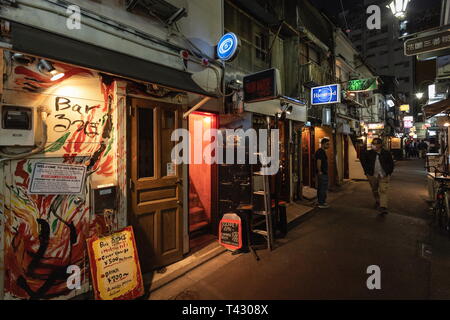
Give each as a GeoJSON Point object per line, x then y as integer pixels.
{"type": "Point", "coordinates": [308, 160]}
{"type": "Point", "coordinates": [346, 160]}
{"type": "Point", "coordinates": [297, 161]}
{"type": "Point", "coordinates": [156, 184]}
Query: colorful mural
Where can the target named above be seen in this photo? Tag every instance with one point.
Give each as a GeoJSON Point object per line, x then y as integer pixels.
{"type": "Point", "coordinates": [44, 234]}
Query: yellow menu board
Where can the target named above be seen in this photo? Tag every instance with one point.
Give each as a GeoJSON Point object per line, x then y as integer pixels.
{"type": "Point", "coordinates": [115, 269]}
{"type": "Point", "coordinates": [396, 143]}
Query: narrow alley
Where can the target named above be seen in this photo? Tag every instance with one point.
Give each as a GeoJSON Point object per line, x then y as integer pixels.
{"type": "Point", "coordinates": [219, 150]}
{"type": "Point", "coordinates": [326, 255]}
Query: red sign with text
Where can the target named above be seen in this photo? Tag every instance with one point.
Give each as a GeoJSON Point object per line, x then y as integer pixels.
{"type": "Point", "coordinates": [230, 231]}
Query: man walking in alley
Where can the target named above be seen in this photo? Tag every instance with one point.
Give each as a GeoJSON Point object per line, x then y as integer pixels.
{"type": "Point", "coordinates": [423, 149]}
{"type": "Point", "coordinates": [378, 166]}
{"type": "Point", "coordinates": [322, 173]}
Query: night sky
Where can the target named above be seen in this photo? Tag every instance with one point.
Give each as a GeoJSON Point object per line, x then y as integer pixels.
{"type": "Point", "coordinates": [333, 7]}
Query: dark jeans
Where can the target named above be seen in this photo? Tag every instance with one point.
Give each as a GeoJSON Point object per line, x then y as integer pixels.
{"type": "Point", "coordinates": [322, 188]}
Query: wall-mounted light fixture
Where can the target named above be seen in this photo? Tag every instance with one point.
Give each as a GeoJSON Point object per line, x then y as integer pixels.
{"type": "Point", "coordinates": [45, 66]}
{"type": "Point", "coordinates": [289, 109]}
{"type": "Point", "coordinates": [23, 59]}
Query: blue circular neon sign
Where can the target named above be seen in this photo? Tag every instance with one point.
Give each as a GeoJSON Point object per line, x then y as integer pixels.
{"type": "Point", "coordinates": [228, 46]}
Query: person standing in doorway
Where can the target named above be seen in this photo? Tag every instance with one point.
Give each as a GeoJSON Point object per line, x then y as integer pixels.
{"type": "Point", "coordinates": [378, 166]}
{"type": "Point", "coordinates": [322, 173]}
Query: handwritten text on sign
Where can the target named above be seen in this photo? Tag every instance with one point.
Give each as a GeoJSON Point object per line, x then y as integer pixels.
{"type": "Point", "coordinates": [115, 266]}
{"type": "Point", "coordinates": [230, 231]}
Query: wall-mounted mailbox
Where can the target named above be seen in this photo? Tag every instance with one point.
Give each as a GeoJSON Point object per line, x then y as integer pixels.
{"type": "Point", "coordinates": [17, 126]}
{"type": "Point", "coordinates": [104, 198]}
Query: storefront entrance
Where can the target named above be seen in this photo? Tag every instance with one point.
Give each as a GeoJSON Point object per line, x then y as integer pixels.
{"type": "Point", "coordinates": [308, 150]}
{"type": "Point", "coordinates": [297, 161]}
{"type": "Point", "coordinates": [346, 158]}
{"type": "Point", "coordinates": [202, 181]}
{"type": "Point", "coordinates": [156, 184]}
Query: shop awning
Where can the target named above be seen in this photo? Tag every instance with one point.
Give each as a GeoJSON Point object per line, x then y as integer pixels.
{"type": "Point", "coordinates": [273, 106]}
{"type": "Point", "coordinates": [437, 107]}
{"type": "Point", "coordinates": [37, 42]}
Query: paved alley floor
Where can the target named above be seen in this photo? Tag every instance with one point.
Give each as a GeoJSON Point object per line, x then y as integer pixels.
{"type": "Point", "coordinates": [326, 255]}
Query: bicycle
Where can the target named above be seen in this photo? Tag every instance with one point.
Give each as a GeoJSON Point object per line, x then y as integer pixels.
{"type": "Point", "coordinates": [441, 207]}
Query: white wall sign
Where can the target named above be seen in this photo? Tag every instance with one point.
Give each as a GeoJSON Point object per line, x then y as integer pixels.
{"type": "Point", "coordinates": [57, 178]}
{"type": "Point", "coordinates": [171, 169]}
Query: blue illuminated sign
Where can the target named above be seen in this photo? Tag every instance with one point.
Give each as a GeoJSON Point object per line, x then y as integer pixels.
{"type": "Point", "coordinates": [326, 94]}
{"type": "Point", "coordinates": [228, 46]}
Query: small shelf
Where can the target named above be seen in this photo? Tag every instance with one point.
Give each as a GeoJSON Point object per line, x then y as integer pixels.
{"type": "Point", "coordinates": [261, 213]}
{"type": "Point", "coordinates": [259, 193]}
{"type": "Point", "coordinates": [261, 232]}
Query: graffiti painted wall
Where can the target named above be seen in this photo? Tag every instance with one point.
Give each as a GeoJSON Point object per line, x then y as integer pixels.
{"type": "Point", "coordinates": [2, 226]}
{"type": "Point", "coordinates": [44, 234]}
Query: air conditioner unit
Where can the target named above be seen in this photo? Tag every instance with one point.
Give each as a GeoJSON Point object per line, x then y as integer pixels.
{"type": "Point", "coordinates": [370, 101]}
{"type": "Point", "coordinates": [17, 125]}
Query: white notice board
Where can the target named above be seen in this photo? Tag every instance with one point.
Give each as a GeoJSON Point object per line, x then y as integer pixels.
{"type": "Point", "coordinates": [57, 178]}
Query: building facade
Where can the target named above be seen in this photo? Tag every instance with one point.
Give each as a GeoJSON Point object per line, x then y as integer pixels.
{"type": "Point", "coordinates": [381, 47]}
{"type": "Point", "coordinates": [104, 97]}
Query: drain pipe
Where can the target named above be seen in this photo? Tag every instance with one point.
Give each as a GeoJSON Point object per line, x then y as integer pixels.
{"type": "Point", "coordinates": [197, 106]}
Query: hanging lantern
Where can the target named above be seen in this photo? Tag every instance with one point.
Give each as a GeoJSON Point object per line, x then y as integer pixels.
{"type": "Point", "coordinates": [398, 8]}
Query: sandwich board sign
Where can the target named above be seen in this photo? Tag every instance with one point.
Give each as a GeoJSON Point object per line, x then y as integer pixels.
{"type": "Point", "coordinates": [230, 231]}
{"type": "Point", "coordinates": [115, 270]}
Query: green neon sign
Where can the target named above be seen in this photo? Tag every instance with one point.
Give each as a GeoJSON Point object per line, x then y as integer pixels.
{"type": "Point", "coordinates": [362, 84]}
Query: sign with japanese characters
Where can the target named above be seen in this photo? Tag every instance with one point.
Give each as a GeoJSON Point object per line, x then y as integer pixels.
{"type": "Point", "coordinates": [437, 41]}
{"type": "Point", "coordinates": [57, 178]}
{"type": "Point", "coordinates": [396, 143]}
{"type": "Point", "coordinates": [375, 126]}
{"type": "Point", "coordinates": [404, 108]}
{"type": "Point", "coordinates": [115, 269]}
{"type": "Point", "coordinates": [230, 231]}
{"type": "Point", "coordinates": [261, 85]}
{"type": "Point", "coordinates": [408, 122]}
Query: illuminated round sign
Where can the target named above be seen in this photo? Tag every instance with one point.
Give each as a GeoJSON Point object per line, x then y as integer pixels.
{"type": "Point", "coordinates": [228, 46]}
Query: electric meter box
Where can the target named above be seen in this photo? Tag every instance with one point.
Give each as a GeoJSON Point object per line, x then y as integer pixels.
{"type": "Point", "coordinates": [104, 197]}
{"type": "Point", "coordinates": [18, 125]}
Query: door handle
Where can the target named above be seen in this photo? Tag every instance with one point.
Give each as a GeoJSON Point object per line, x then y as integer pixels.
{"type": "Point", "coordinates": [179, 181]}
{"type": "Point", "coordinates": [179, 202]}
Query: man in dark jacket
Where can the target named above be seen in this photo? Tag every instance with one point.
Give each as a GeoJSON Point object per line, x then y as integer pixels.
{"type": "Point", "coordinates": [322, 173]}
{"type": "Point", "coordinates": [378, 166]}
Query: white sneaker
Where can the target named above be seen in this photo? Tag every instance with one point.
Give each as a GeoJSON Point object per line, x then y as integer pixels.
{"type": "Point", "coordinates": [323, 206]}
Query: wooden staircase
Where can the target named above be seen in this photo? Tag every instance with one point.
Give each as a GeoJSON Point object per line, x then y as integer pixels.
{"type": "Point", "coordinates": [198, 220]}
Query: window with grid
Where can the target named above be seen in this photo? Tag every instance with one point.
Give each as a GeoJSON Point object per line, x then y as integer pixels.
{"type": "Point", "coordinates": [314, 55]}
{"type": "Point", "coordinates": [261, 46]}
